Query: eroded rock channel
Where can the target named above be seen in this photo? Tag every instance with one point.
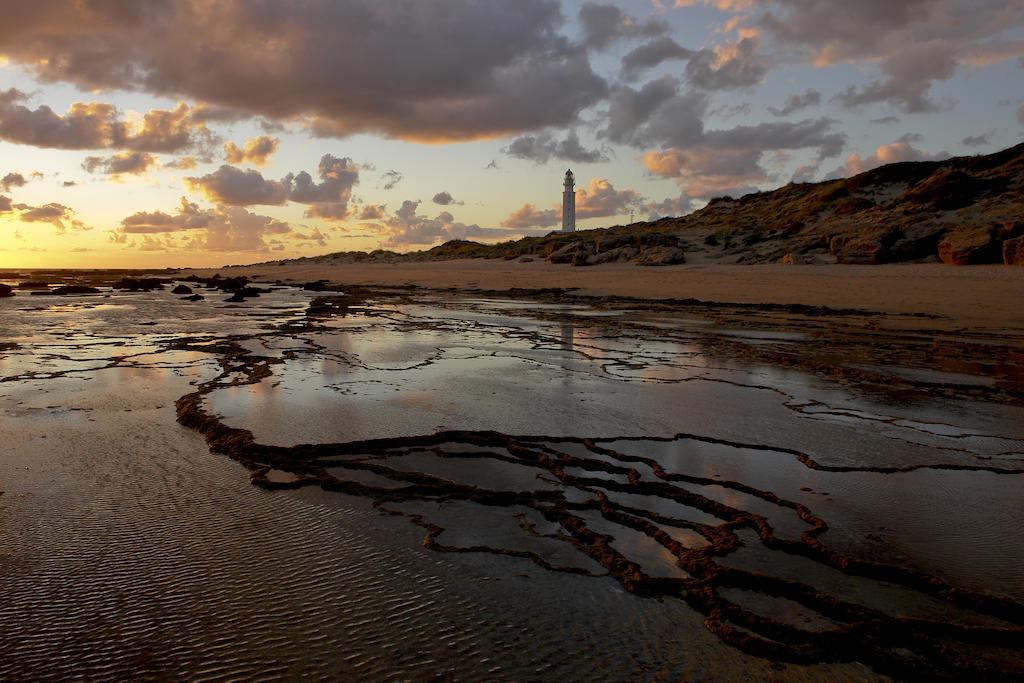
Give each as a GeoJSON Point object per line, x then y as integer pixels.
{"type": "Point", "coordinates": [728, 511]}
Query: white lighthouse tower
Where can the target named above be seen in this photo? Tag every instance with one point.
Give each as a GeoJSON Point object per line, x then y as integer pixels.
{"type": "Point", "coordinates": [569, 203]}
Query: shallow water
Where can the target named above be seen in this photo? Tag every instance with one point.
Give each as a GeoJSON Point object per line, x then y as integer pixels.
{"type": "Point", "coordinates": [129, 548]}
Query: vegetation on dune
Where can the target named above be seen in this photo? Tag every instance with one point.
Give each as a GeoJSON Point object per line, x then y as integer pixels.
{"type": "Point", "coordinates": [961, 210]}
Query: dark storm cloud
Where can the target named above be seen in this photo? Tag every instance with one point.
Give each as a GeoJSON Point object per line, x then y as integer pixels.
{"type": "Point", "coordinates": [797, 101]}
{"type": "Point", "coordinates": [427, 70]}
{"type": "Point", "coordinates": [543, 147]}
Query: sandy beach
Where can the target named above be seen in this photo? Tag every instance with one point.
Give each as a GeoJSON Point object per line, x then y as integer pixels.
{"type": "Point", "coordinates": [748, 491]}
{"type": "Point", "coordinates": [986, 297]}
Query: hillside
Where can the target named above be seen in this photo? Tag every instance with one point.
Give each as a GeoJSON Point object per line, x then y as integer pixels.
{"type": "Point", "coordinates": [963, 210]}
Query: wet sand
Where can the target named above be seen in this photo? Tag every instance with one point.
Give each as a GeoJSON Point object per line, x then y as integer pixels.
{"type": "Point", "coordinates": [505, 487]}
{"type": "Point", "coordinates": [975, 296]}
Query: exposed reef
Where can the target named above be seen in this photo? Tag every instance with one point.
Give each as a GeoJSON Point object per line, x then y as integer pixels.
{"type": "Point", "coordinates": [582, 486]}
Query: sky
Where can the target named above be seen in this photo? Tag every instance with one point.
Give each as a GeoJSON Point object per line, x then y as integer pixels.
{"type": "Point", "coordinates": [174, 133]}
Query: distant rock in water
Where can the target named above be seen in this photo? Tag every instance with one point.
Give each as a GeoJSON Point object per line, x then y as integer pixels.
{"type": "Point", "coordinates": [140, 284]}
{"type": "Point", "coordinates": [182, 289]}
{"type": "Point", "coordinates": [71, 289]}
{"type": "Point", "coordinates": [6, 290]}
{"type": "Point", "coordinates": [33, 284]}
{"type": "Point", "coordinates": [194, 297]}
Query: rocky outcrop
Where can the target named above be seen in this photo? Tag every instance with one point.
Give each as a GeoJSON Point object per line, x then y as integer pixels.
{"type": "Point", "coordinates": [6, 290]}
{"type": "Point", "coordinates": [870, 247]}
{"type": "Point", "coordinates": [661, 256]}
{"type": "Point", "coordinates": [182, 289]}
{"type": "Point", "coordinates": [71, 289]}
{"type": "Point", "coordinates": [144, 284]}
{"type": "Point", "coordinates": [969, 246]}
{"type": "Point", "coordinates": [1013, 251]}
{"type": "Point", "coordinates": [244, 293]}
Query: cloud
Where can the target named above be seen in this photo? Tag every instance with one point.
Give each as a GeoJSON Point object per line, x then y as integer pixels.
{"type": "Point", "coordinates": [798, 101]}
{"type": "Point", "coordinates": [444, 198]}
{"type": "Point", "coordinates": [429, 70]}
{"type": "Point", "coordinates": [671, 206]}
{"type": "Point", "coordinates": [392, 178]}
{"type": "Point", "coordinates": [729, 66]}
{"type": "Point", "coordinates": [407, 228]}
{"type": "Point", "coordinates": [542, 147]}
{"type": "Point", "coordinates": [371, 212]}
{"type": "Point", "coordinates": [977, 140]}
{"type": "Point", "coordinates": [914, 42]}
{"type": "Point", "coordinates": [12, 180]}
{"type": "Point", "coordinates": [185, 163]}
{"type": "Point", "coordinates": [98, 125]}
{"type": "Point", "coordinates": [257, 151]}
{"type": "Point", "coordinates": [805, 173]}
{"type": "Point", "coordinates": [1020, 115]}
{"type": "Point", "coordinates": [529, 216]}
{"type": "Point", "coordinates": [605, 24]}
{"type": "Point", "coordinates": [327, 199]}
{"type": "Point", "coordinates": [730, 161]}
{"type": "Point", "coordinates": [600, 199]}
{"type": "Point", "coordinates": [5, 204]}
{"type": "Point", "coordinates": [657, 113]}
{"type": "Point", "coordinates": [122, 162]}
{"type": "Point", "coordinates": [231, 185]}
{"type": "Point", "coordinates": [223, 228]}
{"type": "Point", "coordinates": [901, 150]}
{"type": "Point", "coordinates": [59, 216]}
{"type": "Point", "coordinates": [651, 54]}
{"type": "Point", "coordinates": [910, 75]}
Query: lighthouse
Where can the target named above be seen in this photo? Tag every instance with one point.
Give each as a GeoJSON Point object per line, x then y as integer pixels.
{"type": "Point", "coordinates": [569, 203]}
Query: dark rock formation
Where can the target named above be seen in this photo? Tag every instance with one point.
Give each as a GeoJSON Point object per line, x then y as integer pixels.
{"type": "Point", "coordinates": [182, 289]}
{"type": "Point", "coordinates": [34, 284]}
{"type": "Point", "coordinates": [969, 246]}
{"type": "Point", "coordinates": [1013, 251]}
{"type": "Point", "coordinates": [6, 290]}
{"type": "Point", "coordinates": [145, 284]}
{"type": "Point", "coordinates": [72, 289]}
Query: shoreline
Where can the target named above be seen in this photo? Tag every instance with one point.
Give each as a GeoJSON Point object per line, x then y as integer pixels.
{"type": "Point", "coordinates": [985, 297]}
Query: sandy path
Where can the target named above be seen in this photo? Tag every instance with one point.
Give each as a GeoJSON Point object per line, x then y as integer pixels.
{"type": "Point", "coordinates": [990, 297]}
